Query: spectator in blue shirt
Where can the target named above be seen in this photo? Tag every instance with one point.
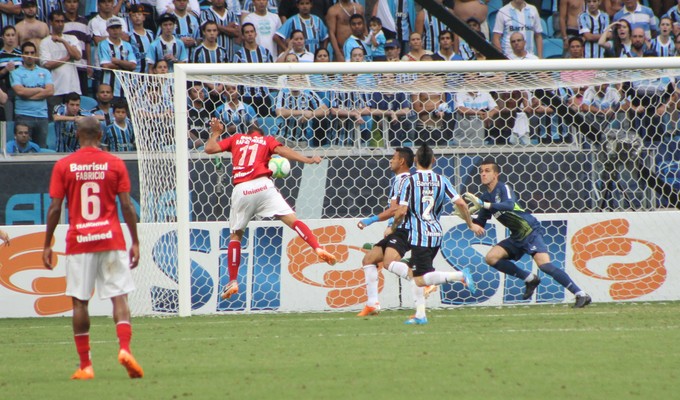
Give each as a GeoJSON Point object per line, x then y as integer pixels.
{"type": "Point", "coordinates": [32, 85]}
{"type": "Point", "coordinates": [22, 143]}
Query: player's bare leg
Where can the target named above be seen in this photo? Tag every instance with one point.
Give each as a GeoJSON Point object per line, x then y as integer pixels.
{"type": "Point", "coordinates": [121, 316]}
{"type": "Point", "coordinates": [81, 334]}
{"type": "Point", "coordinates": [306, 234]}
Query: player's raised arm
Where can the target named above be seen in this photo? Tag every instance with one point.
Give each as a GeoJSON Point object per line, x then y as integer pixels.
{"type": "Point", "coordinates": [216, 130]}
{"type": "Point", "coordinates": [292, 155]}
{"type": "Point", "coordinates": [463, 212]}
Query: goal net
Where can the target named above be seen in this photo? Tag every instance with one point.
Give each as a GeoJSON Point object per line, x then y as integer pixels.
{"type": "Point", "coordinates": [575, 140]}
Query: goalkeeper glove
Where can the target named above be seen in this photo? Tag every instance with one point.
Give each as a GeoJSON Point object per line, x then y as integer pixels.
{"type": "Point", "coordinates": [476, 202]}
{"type": "Point", "coordinates": [472, 208]}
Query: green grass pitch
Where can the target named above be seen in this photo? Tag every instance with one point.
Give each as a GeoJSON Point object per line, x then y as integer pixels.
{"type": "Point", "coordinates": [606, 351]}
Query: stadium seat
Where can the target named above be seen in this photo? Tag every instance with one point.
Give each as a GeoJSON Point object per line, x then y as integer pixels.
{"type": "Point", "coordinates": [550, 23]}
{"type": "Point", "coordinates": [494, 6]}
{"type": "Point", "coordinates": [548, 7]}
{"type": "Point", "coordinates": [552, 48]}
{"type": "Point", "coordinates": [51, 137]}
{"type": "Point", "coordinates": [87, 103]}
{"type": "Point", "coordinates": [546, 31]}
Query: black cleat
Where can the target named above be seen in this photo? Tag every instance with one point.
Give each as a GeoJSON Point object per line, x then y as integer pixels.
{"type": "Point", "coordinates": [530, 287]}
{"type": "Point", "coordinates": [582, 301]}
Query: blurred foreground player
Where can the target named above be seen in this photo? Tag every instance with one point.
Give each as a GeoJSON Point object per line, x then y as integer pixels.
{"type": "Point", "coordinates": [254, 192]}
{"type": "Point", "coordinates": [526, 235]}
{"type": "Point", "coordinates": [90, 180]}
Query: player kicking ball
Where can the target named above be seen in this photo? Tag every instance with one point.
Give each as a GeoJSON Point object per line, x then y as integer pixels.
{"type": "Point", "coordinates": [254, 192]}
{"type": "Point", "coordinates": [526, 235]}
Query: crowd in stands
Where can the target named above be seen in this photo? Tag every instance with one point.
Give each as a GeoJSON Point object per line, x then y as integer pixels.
{"type": "Point", "coordinates": [58, 57]}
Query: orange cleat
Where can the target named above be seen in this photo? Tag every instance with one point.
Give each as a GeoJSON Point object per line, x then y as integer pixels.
{"type": "Point", "coordinates": [368, 311]}
{"type": "Point", "coordinates": [230, 290]}
{"type": "Point", "coordinates": [429, 290]}
{"type": "Point", "coordinates": [83, 374]}
{"type": "Point", "coordinates": [326, 256]}
{"type": "Point", "coordinates": [126, 359]}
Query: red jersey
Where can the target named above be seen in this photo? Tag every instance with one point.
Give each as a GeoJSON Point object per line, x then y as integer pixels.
{"type": "Point", "coordinates": [90, 180]}
{"type": "Point", "coordinates": [250, 155]}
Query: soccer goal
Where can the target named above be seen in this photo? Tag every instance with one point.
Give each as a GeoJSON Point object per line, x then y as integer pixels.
{"type": "Point", "coordinates": [583, 142]}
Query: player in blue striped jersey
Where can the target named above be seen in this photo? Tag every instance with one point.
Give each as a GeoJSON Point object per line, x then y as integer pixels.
{"type": "Point", "coordinates": [229, 24]}
{"type": "Point", "coordinates": [526, 235]}
{"type": "Point", "coordinates": [591, 24]}
{"type": "Point", "coordinates": [208, 51]}
{"type": "Point", "coordinates": [313, 28]}
{"type": "Point", "coordinates": [421, 203]}
{"type": "Point", "coordinates": [390, 250]}
{"type": "Point", "coordinates": [119, 136]}
{"type": "Point", "coordinates": [65, 117]}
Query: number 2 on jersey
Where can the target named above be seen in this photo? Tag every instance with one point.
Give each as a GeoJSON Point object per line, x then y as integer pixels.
{"type": "Point", "coordinates": [429, 204]}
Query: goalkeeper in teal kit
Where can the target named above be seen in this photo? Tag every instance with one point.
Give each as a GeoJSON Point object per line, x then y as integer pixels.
{"type": "Point", "coordinates": [526, 235]}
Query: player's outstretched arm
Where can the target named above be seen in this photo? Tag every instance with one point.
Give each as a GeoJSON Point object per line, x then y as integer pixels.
{"type": "Point", "coordinates": [383, 216]}
{"type": "Point", "coordinates": [53, 215]}
{"type": "Point", "coordinates": [130, 218]}
{"type": "Point", "coordinates": [216, 130]}
{"type": "Point", "coordinates": [292, 155]}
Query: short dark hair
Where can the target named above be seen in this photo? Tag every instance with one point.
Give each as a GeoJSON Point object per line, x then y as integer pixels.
{"type": "Point", "coordinates": [243, 27]}
{"type": "Point", "coordinates": [18, 124]}
{"type": "Point", "coordinates": [406, 153]}
{"type": "Point", "coordinates": [425, 156]}
{"type": "Point", "coordinates": [492, 162]}
{"type": "Point", "coordinates": [28, 44]}
{"type": "Point", "coordinates": [576, 39]}
{"type": "Point", "coordinates": [57, 13]}
{"type": "Point", "coordinates": [356, 16]}
{"type": "Point", "coordinates": [120, 104]}
{"type": "Point", "coordinates": [375, 20]}
{"type": "Point", "coordinates": [294, 31]}
{"type": "Point", "coordinates": [446, 32]}
{"type": "Point", "coordinates": [73, 96]}
{"type": "Point", "coordinates": [205, 25]}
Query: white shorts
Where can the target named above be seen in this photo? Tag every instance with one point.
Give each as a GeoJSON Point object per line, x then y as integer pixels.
{"type": "Point", "coordinates": [110, 269]}
{"type": "Point", "coordinates": [257, 197]}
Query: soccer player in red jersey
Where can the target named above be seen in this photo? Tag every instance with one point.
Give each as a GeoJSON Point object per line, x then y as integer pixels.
{"type": "Point", "coordinates": [90, 180]}
{"type": "Point", "coordinates": [254, 192]}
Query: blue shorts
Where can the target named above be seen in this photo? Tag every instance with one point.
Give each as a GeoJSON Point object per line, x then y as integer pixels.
{"type": "Point", "coordinates": [531, 245]}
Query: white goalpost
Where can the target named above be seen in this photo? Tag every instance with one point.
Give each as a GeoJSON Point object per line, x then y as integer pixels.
{"type": "Point", "coordinates": [575, 159]}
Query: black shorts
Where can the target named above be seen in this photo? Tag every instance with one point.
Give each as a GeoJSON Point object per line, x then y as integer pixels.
{"type": "Point", "coordinates": [398, 241]}
{"type": "Point", "coordinates": [422, 258]}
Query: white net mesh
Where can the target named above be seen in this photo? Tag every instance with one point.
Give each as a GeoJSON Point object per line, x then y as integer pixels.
{"type": "Point", "coordinates": [569, 141]}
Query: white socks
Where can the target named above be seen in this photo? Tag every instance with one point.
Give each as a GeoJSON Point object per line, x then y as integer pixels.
{"type": "Point", "coordinates": [399, 268]}
{"type": "Point", "coordinates": [419, 297]}
{"type": "Point", "coordinates": [371, 275]}
{"type": "Point", "coordinates": [439, 277]}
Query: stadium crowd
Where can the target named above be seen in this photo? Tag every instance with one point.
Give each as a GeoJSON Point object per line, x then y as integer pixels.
{"type": "Point", "coordinates": [58, 57]}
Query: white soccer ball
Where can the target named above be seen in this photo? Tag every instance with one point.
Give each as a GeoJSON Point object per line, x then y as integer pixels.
{"type": "Point", "coordinates": [279, 166]}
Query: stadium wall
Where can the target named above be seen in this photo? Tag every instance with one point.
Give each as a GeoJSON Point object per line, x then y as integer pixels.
{"type": "Point", "coordinates": [616, 257]}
